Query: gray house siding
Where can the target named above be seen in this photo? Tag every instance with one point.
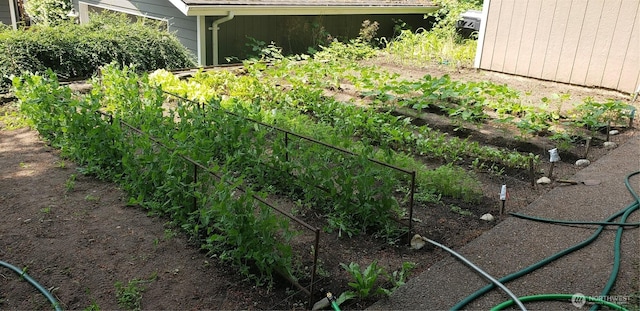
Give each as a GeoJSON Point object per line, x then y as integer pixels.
{"type": "Point", "coordinates": [296, 33]}
{"type": "Point", "coordinates": [5, 15]}
{"type": "Point", "coordinates": [591, 43]}
{"type": "Point", "coordinates": [184, 27]}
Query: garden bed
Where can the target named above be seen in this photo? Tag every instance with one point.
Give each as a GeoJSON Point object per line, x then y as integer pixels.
{"type": "Point", "coordinates": [78, 236]}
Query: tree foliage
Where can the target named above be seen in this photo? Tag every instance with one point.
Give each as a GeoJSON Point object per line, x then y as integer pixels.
{"type": "Point", "coordinates": [48, 12]}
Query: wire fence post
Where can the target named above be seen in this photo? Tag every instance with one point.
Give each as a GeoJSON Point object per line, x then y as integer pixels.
{"type": "Point", "coordinates": [286, 146]}
{"type": "Point", "coordinates": [315, 267]}
{"type": "Point", "coordinates": [532, 174]}
{"type": "Point", "coordinates": [413, 190]}
{"type": "Point", "coordinates": [195, 182]}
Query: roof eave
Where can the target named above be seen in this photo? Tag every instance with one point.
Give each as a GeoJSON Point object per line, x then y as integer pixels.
{"type": "Point", "coordinates": [216, 10]}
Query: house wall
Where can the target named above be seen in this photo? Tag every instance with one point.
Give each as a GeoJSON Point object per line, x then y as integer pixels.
{"type": "Point", "coordinates": [591, 43]}
{"type": "Point", "coordinates": [5, 15]}
{"type": "Point", "coordinates": [182, 26]}
{"type": "Point", "coordinates": [296, 33]}
{"type": "Point", "coordinates": [293, 33]}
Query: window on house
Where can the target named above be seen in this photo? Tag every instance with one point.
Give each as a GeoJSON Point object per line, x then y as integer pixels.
{"type": "Point", "coordinates": [164, 24]}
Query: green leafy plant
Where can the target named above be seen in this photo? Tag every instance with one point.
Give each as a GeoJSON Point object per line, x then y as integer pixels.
{"type": "Point", "coordinates": [355, 49]}
{"type": "Point", "coordinates": [70, 183]}
{"type": "Point", "coordinates": [157, 178]}
{"type": "Point", "coordinates": [94, 306]}
{"type": "Point", "coordinates": [563, 140]}
{"type": "Point", "coordinates": [461, 211]}
{"type": "Point", "coordinates": [453, 181]}
{"type": "Point", "coordinates": [364, 281]}
{"type": "Point", "coordinates": [441, 44]}
{"type": "Point", "coordinates": [10, 116]}
{"type": "Point", "coordinates": [169, 234]}
{"type": "Point", "coordinates": [595, 115]}
{"type": "Point", "coordinates": [129, 296]}
{"type": "Point", "coordinates": [91, 198]}
{"type": "Point", "coordinates": [399, 277]}
{"type": "Point", "coordinates": [260, 51]}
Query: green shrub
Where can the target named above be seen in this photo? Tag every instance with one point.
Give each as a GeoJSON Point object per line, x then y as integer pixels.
{"type": "Point", "coordinates": [78, 51]}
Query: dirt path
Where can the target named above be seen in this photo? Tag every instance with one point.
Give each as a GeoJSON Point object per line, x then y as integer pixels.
{"type": "Point", "coordinates": [77, 238]}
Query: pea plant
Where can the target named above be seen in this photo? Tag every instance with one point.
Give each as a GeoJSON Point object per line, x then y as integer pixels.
{"type": "Point", "coordinates": [356, 198]}
{"type": "Point", "coordinates": [140, 155]}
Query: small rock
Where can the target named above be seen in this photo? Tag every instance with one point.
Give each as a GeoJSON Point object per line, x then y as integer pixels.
{"type": "Point", "coordinates": [543, 181]}
{"type": "Point", "coordinates": [321, 304]}
{"type": "Point", "coordinates": [417, 242]}
{"type": "Point", "coordinates": [487, 217]}
{"type": "Point", "coordinates": [614, 132]}
{"type": "Point", "coordinates": [583, 162]}
{"type": "Point", "coordinates": [610, 145]}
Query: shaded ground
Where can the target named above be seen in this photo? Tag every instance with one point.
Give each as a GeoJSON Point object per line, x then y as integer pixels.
{"type": "Point", "coordinates": [78, 238]}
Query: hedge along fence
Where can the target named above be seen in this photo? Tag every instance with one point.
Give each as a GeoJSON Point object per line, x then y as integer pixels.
{"type": "Point", "coordinates": [78, 51]}
{"type": "Point", "coordinates": [239, 228]}
{"type": "Point", "coordinates": [355, 192]}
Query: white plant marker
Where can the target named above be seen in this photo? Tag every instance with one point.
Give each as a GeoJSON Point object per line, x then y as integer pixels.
{"type": "Point", "coordinates": [503, 197]}
{"type": "Point", "coordinates": [553, 158]}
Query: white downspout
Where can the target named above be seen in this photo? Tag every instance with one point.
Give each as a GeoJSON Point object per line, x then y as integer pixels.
{"type": "Point", "coordinates": [215, 28]}
{"type": "Point", "coordinates": [201, 33]}
{"type": "Point", "coordinates": [12, 11]}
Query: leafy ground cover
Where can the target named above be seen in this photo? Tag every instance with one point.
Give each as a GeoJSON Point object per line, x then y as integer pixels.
{"type": "Point", "coordinates": [335, 104]}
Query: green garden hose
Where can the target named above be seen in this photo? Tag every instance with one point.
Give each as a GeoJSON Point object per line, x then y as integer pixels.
{"type": "Point", "coordinates": [33, 282]}
{"type": "Point", "coordinates": [334, 302]}
{"type": "Point", "coordinates": [547, 297]}
{"type": "Point", "coordinates": [618, 241]}
{"type": "Point", "coordinates": [624, 213]}
{"type": "Point", "coordinates": [576, 222]}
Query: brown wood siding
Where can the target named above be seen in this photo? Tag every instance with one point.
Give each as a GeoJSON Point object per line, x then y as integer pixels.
{"type": "Point", "coordinates": [591, 43]}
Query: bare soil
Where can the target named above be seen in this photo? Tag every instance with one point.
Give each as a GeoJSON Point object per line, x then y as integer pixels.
{"type": "Point", "coordinates": [77, 237]}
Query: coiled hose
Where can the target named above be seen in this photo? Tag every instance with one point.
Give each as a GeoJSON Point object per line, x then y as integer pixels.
{"type": "Point", "coordinates": [616, 264]}
{"type": "Point", "coordinates": [33, 282]}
